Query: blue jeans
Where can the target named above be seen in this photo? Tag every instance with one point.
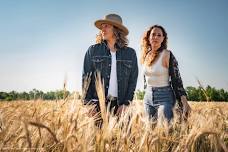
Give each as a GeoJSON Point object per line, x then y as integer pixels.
{"type": "Point", "coordinates": [159, 101]}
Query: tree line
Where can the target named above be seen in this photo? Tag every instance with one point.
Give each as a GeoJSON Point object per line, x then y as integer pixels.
{"type": "Point", "coordinates": [198, 94]}
{"type": "Point", "coordinates": [194, 94]}
{"type": "Point", "coordinates": [34, 95]}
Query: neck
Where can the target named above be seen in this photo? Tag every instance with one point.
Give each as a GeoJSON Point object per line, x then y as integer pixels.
{"type": "Point", "coordinates": [155, 48]}
{"type": "Point", "coordinates": [111, 45]}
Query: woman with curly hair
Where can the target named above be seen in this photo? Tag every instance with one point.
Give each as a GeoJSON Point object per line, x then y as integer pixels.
{"type": "Point", "coordinates": [162, 80]}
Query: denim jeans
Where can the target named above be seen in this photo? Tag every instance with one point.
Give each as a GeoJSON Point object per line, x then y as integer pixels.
{"type": "Point", "coordinates": [159, 102]}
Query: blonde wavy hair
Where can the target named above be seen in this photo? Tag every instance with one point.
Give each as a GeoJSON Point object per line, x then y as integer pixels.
{"type": "Point", "coordinates": [146, 47]}
{"type": "Point", "coordinates": [121, 38]}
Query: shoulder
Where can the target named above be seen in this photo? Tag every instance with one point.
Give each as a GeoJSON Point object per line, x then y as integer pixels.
{"type": "Point", "coordinates": [95, 48]}
{"type": "Point", "coordinates": [173, 61]}
{"type": "Point", "coordinates": [169, 55]}
{"type": "Point", "coordinates": [167, 52]}
{"type": "Point", "coordinates": [129, 50]}
{"type": "Point", "coordinates": [166, 58]}
{"type": "Point", "coordinates": [132, 53]}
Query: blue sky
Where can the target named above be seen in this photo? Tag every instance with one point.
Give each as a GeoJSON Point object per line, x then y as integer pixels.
{"type": "Point", "coordinates": [43, 41]}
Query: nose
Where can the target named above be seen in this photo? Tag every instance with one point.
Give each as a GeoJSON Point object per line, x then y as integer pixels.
{"type": "Point", "coordinates": [155, 36]}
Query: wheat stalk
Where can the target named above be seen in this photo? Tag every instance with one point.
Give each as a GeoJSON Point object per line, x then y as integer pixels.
{"type": "Point", "coordinates": [40, 125]}
{"type": "Point", "coordinates": [101, 95]}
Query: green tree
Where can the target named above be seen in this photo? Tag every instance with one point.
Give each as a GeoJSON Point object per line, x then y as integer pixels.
{"type": "Point", "coordinates": [192, 93]}
{"type": "Point", "coordinates": [3, 95]}
{"type": "Point", "coordinates": [213, 94]}
{"type": "Point", "coordinates": [140, 94]}
{"type": "Point", "coordinates": [201, 94]}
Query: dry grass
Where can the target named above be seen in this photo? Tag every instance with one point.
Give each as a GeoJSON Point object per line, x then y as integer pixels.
{"type": "Point", "coordinates": [65, 126]}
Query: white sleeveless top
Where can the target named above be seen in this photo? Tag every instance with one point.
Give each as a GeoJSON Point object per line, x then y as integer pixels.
{"type": "Point", "coordinates": [156, 75]}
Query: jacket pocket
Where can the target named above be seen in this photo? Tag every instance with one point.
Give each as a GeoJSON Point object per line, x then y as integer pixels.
{"type": "Point", "coordinates": [127, 66]}
{"type": "Point", "coordinates": [98, 63]}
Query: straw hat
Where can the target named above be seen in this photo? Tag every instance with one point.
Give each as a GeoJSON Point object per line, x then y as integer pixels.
{"type": "Point", "coordinates": [114, 20]}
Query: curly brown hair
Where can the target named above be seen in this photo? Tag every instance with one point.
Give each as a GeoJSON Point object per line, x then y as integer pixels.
{"type": "Point", "coordinates": [121, 38]}
{"type": "Point", "coordinates": [146, 47]}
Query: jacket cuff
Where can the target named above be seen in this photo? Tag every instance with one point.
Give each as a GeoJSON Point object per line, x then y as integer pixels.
{"type": "Point", "coordinates": [91, 102]}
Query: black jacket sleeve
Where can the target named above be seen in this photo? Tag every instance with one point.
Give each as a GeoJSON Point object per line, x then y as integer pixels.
{"type": "Point", "coordinates": [176, 81]}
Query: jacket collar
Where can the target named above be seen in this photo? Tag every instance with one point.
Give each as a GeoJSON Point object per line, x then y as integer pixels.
{"type": "Point", "coordinates": [106, 44]}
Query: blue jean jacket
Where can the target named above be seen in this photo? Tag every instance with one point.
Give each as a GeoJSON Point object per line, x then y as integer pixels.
{"type": "Point", "coordinates": [98, 58]}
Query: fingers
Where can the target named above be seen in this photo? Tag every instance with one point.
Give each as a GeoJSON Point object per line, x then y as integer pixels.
{"type": "Point", "coordinates": [186, 111]}
{"type": "Point", "coordinates": [92, 112]}
{"type": "Point", "coordinates": [119, 111]}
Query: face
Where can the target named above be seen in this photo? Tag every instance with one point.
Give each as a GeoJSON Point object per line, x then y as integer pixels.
{"type": "Point", "coordinates": [107, 31]}
{"type": "Point", "coordinates": [156, 38]}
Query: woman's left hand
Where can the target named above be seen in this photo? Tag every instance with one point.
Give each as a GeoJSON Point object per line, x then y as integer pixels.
{"type": "Point", "coordinates": [120, 110]}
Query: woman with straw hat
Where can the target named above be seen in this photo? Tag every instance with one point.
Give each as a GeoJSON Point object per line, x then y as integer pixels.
{"type": "Point", "coordinates": [116, 63]}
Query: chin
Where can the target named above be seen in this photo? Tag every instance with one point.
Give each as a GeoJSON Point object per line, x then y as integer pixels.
{"type": "Point", "coordinates": [154, 46]}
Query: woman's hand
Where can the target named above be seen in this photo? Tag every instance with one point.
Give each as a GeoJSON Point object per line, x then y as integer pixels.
{"type": "Point", "coordinates": [120, 110]}
{"type": "Point", "coordinates": [186, 107]}
{"type": "Point", "coordinates": [93, 111]}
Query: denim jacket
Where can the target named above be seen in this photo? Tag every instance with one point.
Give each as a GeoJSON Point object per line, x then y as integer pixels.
{"type": "Point", "coordinates": [98, 58]}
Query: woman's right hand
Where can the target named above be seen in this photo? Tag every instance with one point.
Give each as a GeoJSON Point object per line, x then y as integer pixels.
{"type": "Point", "coordinates": [186, 107]}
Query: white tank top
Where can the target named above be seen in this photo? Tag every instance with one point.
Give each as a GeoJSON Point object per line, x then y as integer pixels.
{"type": "Point", "coordinates": [156, 75]}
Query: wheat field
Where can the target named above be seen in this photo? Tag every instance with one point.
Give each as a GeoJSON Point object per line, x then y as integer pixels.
{"type": "Point", "coordinates": [64, 125]}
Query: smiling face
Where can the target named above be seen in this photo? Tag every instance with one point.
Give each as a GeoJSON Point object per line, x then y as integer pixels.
{"type": "Point", "coordinates": [107, 32]}
{"type": "Point", "coordinates": [156, 38]}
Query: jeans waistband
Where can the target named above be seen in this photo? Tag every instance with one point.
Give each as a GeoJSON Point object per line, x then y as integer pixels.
{"type": "Point", "coordinates": [165, 88]}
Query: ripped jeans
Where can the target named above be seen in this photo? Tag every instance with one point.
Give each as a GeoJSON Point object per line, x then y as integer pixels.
{"type": "Point", "coordinates": [159, 102]}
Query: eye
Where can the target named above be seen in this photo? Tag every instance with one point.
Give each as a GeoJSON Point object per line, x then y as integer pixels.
{"type": "Point", "coordinates": [104, 25]}
{"type": "Point", "coordinates": [154, 34]}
